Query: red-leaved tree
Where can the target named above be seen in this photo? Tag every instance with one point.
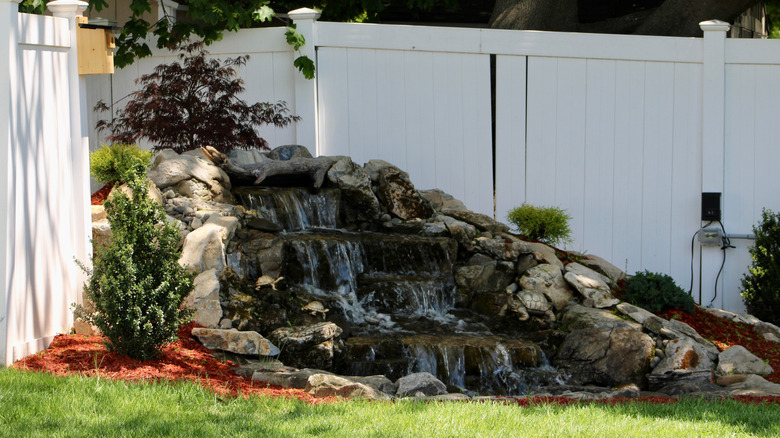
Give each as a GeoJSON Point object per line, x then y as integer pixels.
{"type": "Point", "coordinates": [192, 103]}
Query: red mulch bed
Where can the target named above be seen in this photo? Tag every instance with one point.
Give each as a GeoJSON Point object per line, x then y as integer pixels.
{"type": "Point", "coordinates": [184, 359]}
{"type": "Point", "coordinates": [101, 195]}
{"type": "Point", "coordinates": [725, 333]}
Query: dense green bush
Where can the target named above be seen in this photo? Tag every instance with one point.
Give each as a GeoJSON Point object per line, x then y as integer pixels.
{"type": "Point", "coordinates": [118, 163]}
{"type": "Point", "coordinates": [656, 293]}
{"type": "Point", "coordinates": [761, 285]}
{"type": "Point", "coordinates": [545, 224]}
{"type": "Point", "coordinates": [137, 285]}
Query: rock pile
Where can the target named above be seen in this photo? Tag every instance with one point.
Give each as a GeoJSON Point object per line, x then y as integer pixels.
{"type": "Point", "coordinates": [519, 288]}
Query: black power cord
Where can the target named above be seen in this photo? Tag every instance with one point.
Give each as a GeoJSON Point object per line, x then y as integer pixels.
{"type": "Point", "coordinates": [693, 239]}
{"type": "Point", "coordinates": [726, 244]}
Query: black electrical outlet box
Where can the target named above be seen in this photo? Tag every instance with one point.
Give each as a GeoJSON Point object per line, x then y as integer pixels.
{"type": "Point", "coordinates": [710, 206]}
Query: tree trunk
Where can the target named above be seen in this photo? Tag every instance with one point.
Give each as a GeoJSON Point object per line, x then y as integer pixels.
{"type": "Point", "coordinates": [670, 18]}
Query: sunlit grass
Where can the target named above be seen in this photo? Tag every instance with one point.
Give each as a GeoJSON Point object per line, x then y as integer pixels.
{"type": "Point", "coordinates": [34, 404]}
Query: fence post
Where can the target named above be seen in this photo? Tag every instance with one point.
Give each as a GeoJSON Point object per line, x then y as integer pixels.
{"type": "Point", "coordinates": [9, 17]}
{"type": "Point", "coordinates": [713, 139]}
{"type": "Point", "coordinates": [306, 89]}
{"type": "Point", "coordinates": [79, 134]}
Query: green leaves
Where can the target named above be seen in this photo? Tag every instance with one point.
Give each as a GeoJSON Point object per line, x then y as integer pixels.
{"type": "Point", "coordinates": [305, 66]}
{"type": "Point", "coordinates": [263, 14]}
{"type": "Point", "coordinates": [657, 292]}
{"type": "Point", "coordinates": [303, 63]}
{"type": "Point", "coordinates": [545, 224]}
{"type": "Point", "coordinates": [761, 285]}
{"type": "Point", "coordinates": [294, 38]}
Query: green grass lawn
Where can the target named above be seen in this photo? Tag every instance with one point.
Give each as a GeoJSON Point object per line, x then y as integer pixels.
{"type": "Point", "coordinates": [34, 404]}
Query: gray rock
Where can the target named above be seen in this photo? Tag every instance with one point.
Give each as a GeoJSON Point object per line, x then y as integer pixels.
{"type": "Point", "coordinates": [592, 289]}
{"type": "Point", "coordinates": [441, 200]}
{"type": "Point", "coordinates": [299, 338]}
{"type": "Point", "coordinates": [575, 316]}
{"type": "Point", "coordinates": [169, 170]}
{"type": "Point", "coordinates": [462, 232]}
{"type": "Point", "coordinates": [355, 185]}
{"type": "Point", "coordinates": [287, 378]}
{"type": "Point", "coordinates": [638, 314]}
{"type": "Point", "coordinates": [763, 328]}
{"type": "Point", "coordinates": [684, 355]}
{"type": "Point", "coordinates": [738, 360]}
{"type": "Point", "coordinates": [288, 152]}
{"type": "Point", "coordinates": [242, 157]}
{"type": "Point", "coordinates": [203, 249]}
{"type": "Point", "coordinates": [604, 267]}
{"type": "Point", "coordinates": [204, 299]}
{"type": "Point", "coordinates": [434, 229]}
{"type": "Point", "coordinates": [234, 341]}
{"type": "Point", "coordinates": [500, 248]}
{"type": "Point", "coordinates": [375, 167]}
{"type": "Point", "coordinates": [399, 196]}
{"type": "Point", "coordinates": [577, 268]}
{"type": "Point", "coordinates": [526, 262]}
{"type": "Point", "coordinates": [328, 385]}
{"type": "Point", "coordinates": [548, 280]}
{"type": "Point", "coordinates": [483, 274]}
{"type": "Point", "coordinates": [606, 357]}
{"type": "Point", "coordinates": [673, 329]}
{"type": "Point", "coordinates": [424, 383]}
{"type": "Point", "coordinates": [481, 221]}
{"type": "Point", "coordinates": [753, 385]}
{"type": "Point", "coordinates": [545, 254]}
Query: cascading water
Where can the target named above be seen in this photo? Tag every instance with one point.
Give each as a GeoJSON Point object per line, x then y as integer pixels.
{"type": "Point", "coordinates": [396, 293]}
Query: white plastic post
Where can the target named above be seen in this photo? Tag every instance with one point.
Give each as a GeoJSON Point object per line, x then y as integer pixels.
{"type": "Point", "coordinates": [306, 89]}
{"type": "Point", "coordinates": [9, 17]}
{"type": "Point", "coordinates": [79, 132]}
{"type": "Point", "coordinates": [713, 141]}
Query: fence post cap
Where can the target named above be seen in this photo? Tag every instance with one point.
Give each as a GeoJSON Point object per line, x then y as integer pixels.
{"type": "Point", "coordinates": [304, 14]}
{"type": "Point", "coordinates": [61, 8]}
{"type": "Point", "coordinates": [714, 25]}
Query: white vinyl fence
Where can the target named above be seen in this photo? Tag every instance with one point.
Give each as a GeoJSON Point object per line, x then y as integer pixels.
{"type": "Point", "coordinates": [624, 132]}
{"type": "Point", "coordinates": [44, 195]}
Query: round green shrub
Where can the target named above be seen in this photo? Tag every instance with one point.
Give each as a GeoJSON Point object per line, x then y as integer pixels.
{"type": "Point", "coordinates": [119, 163]}
{"type": "Point", "coordinates": [545, 224]}
{"type": "Point", "coordinates": [656, 293]}
{"type": "Point", "coordinates": [761, 285]}
{"type": "Point", "coordinates": [137, 285]}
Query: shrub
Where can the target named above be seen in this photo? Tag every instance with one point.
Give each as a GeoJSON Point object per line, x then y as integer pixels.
{"type": "Point", "coordinates": [545, 224]}
{"type": "Point", "coordinates": [136, 284]}
{"type": "Point", "coordinates": [656, 293]}
{"type": "Point", "coordinates": [761, 285]}
{"type": "Point", "coordinates": [183, 106]}
{"type": "Point", "coordinates": [119, 163]}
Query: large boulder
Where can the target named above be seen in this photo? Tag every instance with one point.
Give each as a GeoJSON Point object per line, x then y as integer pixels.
{"type": "Point", "coordinates": [355, 185]}
{"type": "Point", "coordinates": [548, 280]}
{"type": "Point", "coordinates": [424, 384]}
{"type": "Point", "coordinates": [204, 299]}
{"type": "Point", "coordinates": [328, 385]}
{"type": "Point", "coordinates": [400, 197]}
{"type": "Point", "coordinates": [576, 317]}
{"type": "Point", "coordinates": [462, 232]}
{"type": "Point", "coordinates": [441, 200]}
{"type": "Point", "coordinates": [204, 248]}
{"type": "Point", "coordinates": [482, 221]}
{"type": "Point", "coordinates": [288, 152]}
{"type": "Point", "coordinates": [483, 274]}
{"type": "Point", "coordinates": [590, 285]}
{"type": "Point", "coordinates": [234, 341]}
{"type": "Point", "coordinates": [684, 355]}
{"type": "Point", "coordinates": [545, 254]}
{"type": "Point", "coordinates": [604, 267]}
{"type": "Point", "coordinates": [738, 360]}
{"type": "Point", "coordinates": [191, 176]}
{"type": "Point", "coordinates": [310, 346]}
{"type": "Point", "coordinates": [606, 357]}
{"type": "Point", "coordinates": [752, 385]}
{"type": "Point", "coordinates": [503, 248]}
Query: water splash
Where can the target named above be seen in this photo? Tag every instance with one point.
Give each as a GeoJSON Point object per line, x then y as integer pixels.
{"type": "Point", "coordinates": [294, 209]}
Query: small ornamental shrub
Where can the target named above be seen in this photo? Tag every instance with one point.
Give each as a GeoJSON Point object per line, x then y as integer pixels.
{"type": "Point", "coordinates": [545, 224]}
{"type": "Point", "coordinates": [119, 163]}
{"type": "Point", "coordinates": [656, 293]}
{"type": "Point", "coordinates": [761, 285]}
{"type": "Point", "coordinates": [193, 103]}
{"type": "Point", "coordinates": [137, 285]}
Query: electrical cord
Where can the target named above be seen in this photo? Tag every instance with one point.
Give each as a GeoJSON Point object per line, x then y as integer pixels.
{"type": "Point", "coordinates": [693, 239]}
{"type": "Point", "coordinates": [726, 245]}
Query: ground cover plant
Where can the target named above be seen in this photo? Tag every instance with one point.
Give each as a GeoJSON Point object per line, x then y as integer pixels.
{"type": "Point", "coordinates": [544, 224]}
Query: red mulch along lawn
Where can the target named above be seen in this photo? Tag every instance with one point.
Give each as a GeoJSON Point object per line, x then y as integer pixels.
{"type": "Point", "coordinates": [184, 359]}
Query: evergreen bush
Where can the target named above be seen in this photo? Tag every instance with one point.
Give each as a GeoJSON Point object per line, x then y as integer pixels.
{"type": "Point", "coordinates": [545, 224]}
{"type": "Point", "coordinates": [118, 162]}
{"type": "Point", "coordinates": [656, 293]}
{"type": "Point", "coordinates": [136, 284]}
{"type": "Point", "coordinates": [761, 285]}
